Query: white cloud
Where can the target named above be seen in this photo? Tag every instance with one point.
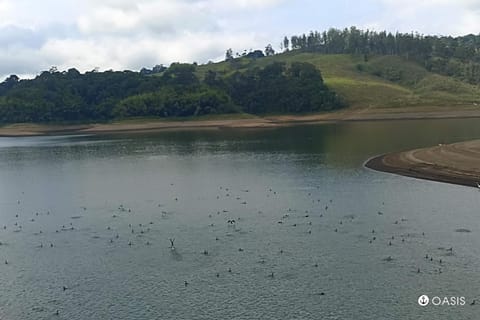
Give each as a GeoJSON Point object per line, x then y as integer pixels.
{"type": "Point", "coordinates": [438, 17]}
{"type": "Point", "coordinates": [126, 34]}
{"type": "Point", "coordinates": [127, 53]}
{"type": "Point", "coordinates": [156, 17]}
{"type": "Point", "coordinates": [121, 34]}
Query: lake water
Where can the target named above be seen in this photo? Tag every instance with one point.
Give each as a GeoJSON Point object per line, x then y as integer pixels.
{"type": "Point", "coordinates": [306, 212]}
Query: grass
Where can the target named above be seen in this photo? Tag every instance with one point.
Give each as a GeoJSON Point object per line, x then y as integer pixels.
{"type": "Point", "coordinates": [380, 82]}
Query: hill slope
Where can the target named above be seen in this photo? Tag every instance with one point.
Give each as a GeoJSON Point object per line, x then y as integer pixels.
{"type": "Point", "coordinates": [379, 82]}
{"type": "Point", "coordinates": [294, 82]}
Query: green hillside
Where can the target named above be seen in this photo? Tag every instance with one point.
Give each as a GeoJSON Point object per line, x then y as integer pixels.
{"type": "Point", "coordinates": [179, 91]}
{"type": "Point", "coordinates": [380, 82]}
{"type": "Point", "coordinates": [294, 82]}
{"type": "Point", "coordinates": [349, 71]}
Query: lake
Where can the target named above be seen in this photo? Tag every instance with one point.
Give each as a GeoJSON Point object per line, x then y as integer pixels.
{"type": "Point", "coordinates": [281, 223]}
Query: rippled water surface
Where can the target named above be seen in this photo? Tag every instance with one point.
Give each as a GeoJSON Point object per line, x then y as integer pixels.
{"type": "Point", "coordinates": [85, 224]}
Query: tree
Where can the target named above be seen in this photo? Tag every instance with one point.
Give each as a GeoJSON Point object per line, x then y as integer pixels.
{"type": "Point", "coordinates": [255, 54]}
{"type": "Point", "coordinates": [73, 73]}
{"type": "Point", "coordinates": [145, 71]}
{"type": "Point", "coordinates": [159, 68]}
{"type": "Point", "coordinates": [181, 74]}
{"type": "Point", "coordinates": [276, 88]}
{"type": "Point", "coordinates": [229, 54]}
{"type": "Point", "coordinates": [12, 79]}
{"type": "Point", "coordinates": [269, 50]}
{"type": "Point", "coordinates": [286, 43]}
{"type": "Point", "coordinates": [9, 83]}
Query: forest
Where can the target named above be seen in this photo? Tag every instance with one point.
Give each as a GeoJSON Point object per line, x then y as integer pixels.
{"type": "Point", "coordinates": [176, 91]}
{"type": "Point", "coordinates": [457, 57]}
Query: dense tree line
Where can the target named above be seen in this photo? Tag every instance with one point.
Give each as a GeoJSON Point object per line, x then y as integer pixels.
{"type": "Point", "coordinates": [452, 56]}
{"type": "Point", "coordinates": [68, 96]}
{"type": "Point", "coordinates": [276, 88]}
{"type": "Point", "coordinates": [175, 91]}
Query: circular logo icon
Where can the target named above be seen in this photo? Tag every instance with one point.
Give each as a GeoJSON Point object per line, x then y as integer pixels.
{"type": "Point", "coordinates": [423, 300]}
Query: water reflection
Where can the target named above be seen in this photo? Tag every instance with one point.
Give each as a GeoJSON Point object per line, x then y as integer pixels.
{"type": "Point", "coordinates": [341, 145]}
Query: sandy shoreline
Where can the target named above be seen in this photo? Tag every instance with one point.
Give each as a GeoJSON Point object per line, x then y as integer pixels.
{"type": "Point", "coordinates": [364, 114]}
{"type": "Point", "coordinates": [457, 163]}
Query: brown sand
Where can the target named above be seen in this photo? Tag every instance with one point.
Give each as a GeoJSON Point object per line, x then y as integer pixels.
{"type": "Point", "coordinates": [351, 114]}
{"type": "Point", "coordinates": [457, 163]}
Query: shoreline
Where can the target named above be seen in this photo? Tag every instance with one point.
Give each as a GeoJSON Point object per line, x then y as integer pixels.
{"type": "Point", "coordinates": [456, 163]}
{"type": "Point", "coordinates": [272, 121]}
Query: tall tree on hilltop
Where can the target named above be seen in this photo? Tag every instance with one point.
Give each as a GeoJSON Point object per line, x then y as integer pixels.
{"type": "Point", "coordinates": [229, 54]}
{"type": "Point", "coordinates": [286, 43]}
{"type": "Point", "coordinates": [269, 50]}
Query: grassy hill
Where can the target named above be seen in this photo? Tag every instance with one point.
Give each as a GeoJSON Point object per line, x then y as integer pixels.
{"type": "Point", "coordinates": [379, 82]}
{"type": "Point", "coordinates": [370, 85]}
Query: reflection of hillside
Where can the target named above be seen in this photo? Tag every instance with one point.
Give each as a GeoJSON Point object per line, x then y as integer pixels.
{"type": "Point", "coordinates": [354, 142]}
{"type": "Point", "coordinates": [346, 144]}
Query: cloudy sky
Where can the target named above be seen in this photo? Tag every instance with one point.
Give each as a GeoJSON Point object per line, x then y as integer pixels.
{"type": "Point", "coordinates": [129, 34]}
